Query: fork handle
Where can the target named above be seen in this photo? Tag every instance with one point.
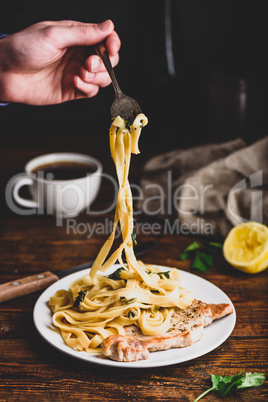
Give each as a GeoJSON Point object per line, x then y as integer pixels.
{"type": "Point", "coordinates": [103, 54]}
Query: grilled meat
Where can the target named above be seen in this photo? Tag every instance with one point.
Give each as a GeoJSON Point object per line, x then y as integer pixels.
{"type": "Point", "coordinates": [186, 328]}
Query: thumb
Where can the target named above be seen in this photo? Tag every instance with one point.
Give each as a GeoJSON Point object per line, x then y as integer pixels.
{"type": "Point", "coordinates": [82, 34]}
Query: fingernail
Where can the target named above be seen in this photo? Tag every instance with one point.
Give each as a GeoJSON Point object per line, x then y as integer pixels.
{"type": "Point", "coordinates": [105, 25]}
{"type": "Point", "coordinates": [96, 64]}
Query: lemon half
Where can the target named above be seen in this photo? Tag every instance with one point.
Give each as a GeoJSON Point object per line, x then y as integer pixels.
{"type": "Point", "coordinates": [246, 247]}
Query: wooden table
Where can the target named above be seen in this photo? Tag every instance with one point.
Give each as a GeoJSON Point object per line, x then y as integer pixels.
{"type": "Point", "coordinates": [30, 369]}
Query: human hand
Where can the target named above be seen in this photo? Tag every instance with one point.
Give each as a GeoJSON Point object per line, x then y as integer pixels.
{"type": "Point", "coordinates": [52, 62]}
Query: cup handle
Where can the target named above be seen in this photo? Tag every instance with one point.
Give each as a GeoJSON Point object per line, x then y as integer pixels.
{"type": "Point", "coordinates": [23, 181]}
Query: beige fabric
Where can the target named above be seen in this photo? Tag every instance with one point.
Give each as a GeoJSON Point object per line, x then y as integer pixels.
{"type": "Point", "coordinates": [218, 185]}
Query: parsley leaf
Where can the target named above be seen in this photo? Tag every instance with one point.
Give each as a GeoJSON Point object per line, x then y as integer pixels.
{"type": "Point", "coordinates": [132, 313]}
{"type": "Point", "coordinates": [201, 254]}
{"type": "Point", "coordinates": [165, 273]}
{"type": "Point", "coordinates": [225, 384]}
{"type": "Point", "coordinates": [124, 300]}
{"type": "Point", "coordinates": [80, 298]}
{"type": "Point", "coordinates": [134, 238]}
{"type": "Point", "coordinates": [116, 274]}
{"type": "Point", "coordinates": [127, 123]}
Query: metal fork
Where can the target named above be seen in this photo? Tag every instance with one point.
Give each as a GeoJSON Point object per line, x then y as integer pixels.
{"type": "Point", "coordinates": [123, 105]}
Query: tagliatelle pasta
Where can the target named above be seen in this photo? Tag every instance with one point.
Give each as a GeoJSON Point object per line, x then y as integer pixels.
{"type": "Point", "coordinates": [98, 305]}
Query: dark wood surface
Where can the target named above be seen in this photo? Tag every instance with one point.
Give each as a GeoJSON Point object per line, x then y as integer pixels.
{"type": "Point", "coordinates": [30, 369]}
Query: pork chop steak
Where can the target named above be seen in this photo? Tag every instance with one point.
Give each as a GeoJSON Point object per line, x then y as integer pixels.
{"type": "Point", "coordinates": [187, 327]}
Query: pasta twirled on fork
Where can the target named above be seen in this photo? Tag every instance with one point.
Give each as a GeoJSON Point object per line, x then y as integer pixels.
{"type": "Point", "coordinates": [99, 305]}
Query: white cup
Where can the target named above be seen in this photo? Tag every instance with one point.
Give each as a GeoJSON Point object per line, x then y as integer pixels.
{"type": "Point", "coordinates": [63, 198]}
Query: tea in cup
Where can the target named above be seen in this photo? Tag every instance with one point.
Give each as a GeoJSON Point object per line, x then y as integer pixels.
{"type": "Point", "coordinates": [63, 183]}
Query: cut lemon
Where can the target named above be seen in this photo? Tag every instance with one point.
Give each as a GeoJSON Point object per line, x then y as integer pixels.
{"type": "Point", "coordinates": [246, 247]}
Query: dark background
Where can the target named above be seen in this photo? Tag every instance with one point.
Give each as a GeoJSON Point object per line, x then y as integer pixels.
{"type": "Point", "coordinates": [219, 53]}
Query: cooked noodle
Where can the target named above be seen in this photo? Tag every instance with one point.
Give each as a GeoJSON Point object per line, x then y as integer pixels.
{"type": "Point", "coordinates": [98, 305]}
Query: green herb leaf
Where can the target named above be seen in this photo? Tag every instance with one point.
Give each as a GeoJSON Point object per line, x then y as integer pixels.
{"type": "Point", "coordinates": [187, 253]}
{"type": "Point", "coordinates": [154, 291]}
{"type": "Point", "coordinates": [165, 273]}
{"type": "Point", "coordinates": [193, 246]}
{"type": "Point", "coordinates": [214, 244]}
{"type": "Point", "coordinates": [132, 313]}
{"type": "Point", "coordinates": [185, 256]}
{"type": "Point", "coordinates": [252, 380]}
{"type": "Point", "coordinates": [116, 274]}
{"type": "Point", "coordinates": [124, 300]}
{"type": "Point", "coordinates": [154, 308]}
{"type": "Point", "coordinates": [134, 238]}
{"type": "Point", "coordinates": [80, 298]}
{"type": "Point", "coordinates": [127, 123]}
{"type": "Point", "coordinates": [203, 261]}
{"type": "Point", "coordinates": [201, 254]}
{"type": "Point", "coordinates": [212, 247]}
{"type": "Point", "coordinates": [228, 382]}
{"type": "Point", "coordinates": [225, 384]}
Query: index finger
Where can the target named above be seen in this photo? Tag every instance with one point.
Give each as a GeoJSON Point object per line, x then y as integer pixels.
{"type": "Point", "coordinates": [76, 34]}
{"type": "Point", "coordinates": [113, 44]}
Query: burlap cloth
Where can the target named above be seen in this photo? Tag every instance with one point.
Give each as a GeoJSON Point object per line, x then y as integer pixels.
{"type": "Point", "coordinates": [208, 189]}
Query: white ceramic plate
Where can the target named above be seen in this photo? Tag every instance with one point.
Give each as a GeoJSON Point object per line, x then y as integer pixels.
{"type": "Point", "coordinates": [214, 335]}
